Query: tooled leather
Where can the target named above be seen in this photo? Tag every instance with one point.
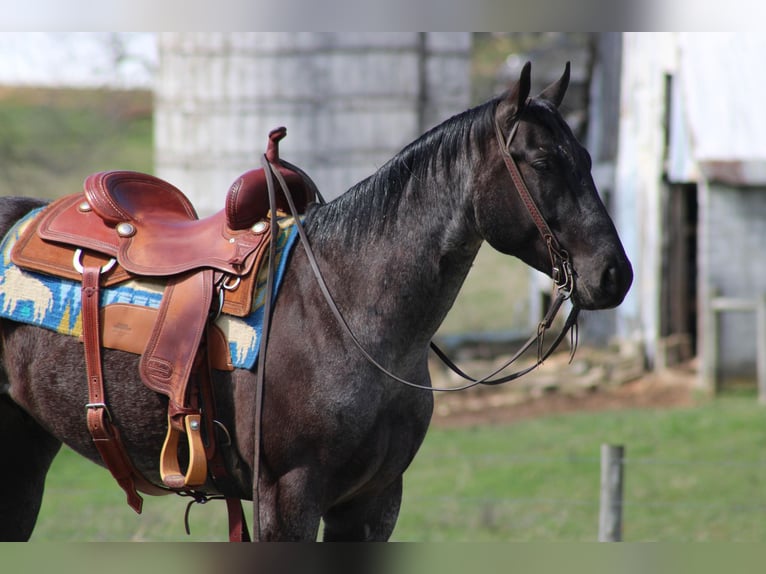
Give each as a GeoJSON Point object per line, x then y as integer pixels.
{"type": "Point", "coordinates": [168, 358]}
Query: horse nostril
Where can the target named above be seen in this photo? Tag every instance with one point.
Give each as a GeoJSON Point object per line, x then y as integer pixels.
{"type": "Point", "coordinates": [616, 280]}
{"type": "Point", "coordinates": [610, 280]}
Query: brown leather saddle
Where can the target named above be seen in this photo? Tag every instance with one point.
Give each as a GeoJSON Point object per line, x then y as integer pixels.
{"type": "Point", "coordinates": [127, 225]}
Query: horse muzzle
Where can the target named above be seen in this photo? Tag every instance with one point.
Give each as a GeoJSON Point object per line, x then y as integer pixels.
{"type": "Point", "coordinates": [602, 286]}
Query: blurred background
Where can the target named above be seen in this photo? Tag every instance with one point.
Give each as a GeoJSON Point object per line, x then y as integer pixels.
{"type": "Point", "coordinates": [677, 373]}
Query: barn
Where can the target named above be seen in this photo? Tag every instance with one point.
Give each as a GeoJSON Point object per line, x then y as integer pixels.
{"type": "Point", "coordinates": [690, 201]}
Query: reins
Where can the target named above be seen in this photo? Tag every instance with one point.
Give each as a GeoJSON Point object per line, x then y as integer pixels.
{"type": "Point", "coordinates": [561, 272]}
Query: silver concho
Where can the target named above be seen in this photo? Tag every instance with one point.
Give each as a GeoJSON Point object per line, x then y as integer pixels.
{"type": "Point", "coordinates": [260, 227]}
{"type": "Point", "coordinates": [125, 229]}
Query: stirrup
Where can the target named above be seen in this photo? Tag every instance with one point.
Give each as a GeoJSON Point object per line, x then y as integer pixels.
{"type": "Point", "coordinates": [170, 469]}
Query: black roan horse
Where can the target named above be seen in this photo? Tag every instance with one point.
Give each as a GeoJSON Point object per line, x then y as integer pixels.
{"type": "Point", "coordinates": [337, 433]}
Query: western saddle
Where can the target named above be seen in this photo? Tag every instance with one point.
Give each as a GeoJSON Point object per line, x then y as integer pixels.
{"type": "Point", "coordinates": [128, 225]}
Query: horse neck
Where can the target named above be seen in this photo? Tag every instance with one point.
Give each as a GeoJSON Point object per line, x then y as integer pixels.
{"type": "Point", "coordinates": [406, 247]}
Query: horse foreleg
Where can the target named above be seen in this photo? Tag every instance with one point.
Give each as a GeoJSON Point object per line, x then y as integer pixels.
{"type": "Point", "coordinates": [366, 518]}
{"type": "Point", "coordinates": [26, 452]}
{"type": "Point", "coordinates": [289, 511]}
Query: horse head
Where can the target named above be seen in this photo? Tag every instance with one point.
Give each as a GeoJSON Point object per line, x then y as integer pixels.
{"type": "Point", "coordinates": [558, 217]}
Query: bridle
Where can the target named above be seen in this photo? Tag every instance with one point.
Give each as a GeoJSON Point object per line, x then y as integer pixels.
{"type": "Point", "coordinates": [562, 274]}
{"type": "Point", "coordinates": [561, 269]}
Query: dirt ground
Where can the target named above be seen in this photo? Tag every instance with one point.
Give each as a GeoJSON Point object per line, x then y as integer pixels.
{"type": "Point", "coordinates": [507, 404]}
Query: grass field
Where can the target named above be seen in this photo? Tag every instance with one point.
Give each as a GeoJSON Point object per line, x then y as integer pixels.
{"type": "Point", "coordinates": [693, 474]}
{"type": "Point", "coordinates": [50, 140]}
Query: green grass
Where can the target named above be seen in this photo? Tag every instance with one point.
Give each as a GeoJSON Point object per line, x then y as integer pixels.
{"type": "Point", "coordinates": [50, 140]}
{"type": "Point", "coordinates": [82, 502]}
{"type": "Point", "coordinates": [693, 474]}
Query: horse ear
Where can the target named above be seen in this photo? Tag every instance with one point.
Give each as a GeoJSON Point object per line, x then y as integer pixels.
{"type": "Point", "coordinates": [555, 92]}
{"type": "Point", "coordinates": [518, 94]}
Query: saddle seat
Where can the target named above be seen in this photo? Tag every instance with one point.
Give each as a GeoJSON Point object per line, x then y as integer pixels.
{"type": "Point", "coordinates": [155, 230]}
{"type": "Point", "coordinates": [158, 232]}
{"type": "Point", "coordinates": [152, 229]}
{"type": "Point", "coordinates": [133, 196]}
{"type": "Point", "coordinates": [119, 196]}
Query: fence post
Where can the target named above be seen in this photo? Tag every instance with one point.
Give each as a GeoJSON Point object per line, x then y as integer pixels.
{"type": "Point", "coordinates": [760, 341]}
{"type": "Point", "coordinates": [709, 354]}
{"type": "Point", "coordinates": [610, 505]}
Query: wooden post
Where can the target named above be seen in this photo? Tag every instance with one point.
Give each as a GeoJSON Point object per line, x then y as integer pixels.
{"type": "Point", "coordinates": [610, 506]}
{"type": "Point", "coordinates": [760, 351]}
{"type": "Point", "coordinates": [709, 358]}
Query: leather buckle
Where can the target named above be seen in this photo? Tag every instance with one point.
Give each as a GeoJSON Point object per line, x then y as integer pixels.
{"type": "Point", "coordinates": [93, 406]}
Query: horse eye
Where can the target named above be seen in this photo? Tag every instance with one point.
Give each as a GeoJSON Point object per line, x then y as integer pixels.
{"type": "Point", "coordinates": [541, 164]}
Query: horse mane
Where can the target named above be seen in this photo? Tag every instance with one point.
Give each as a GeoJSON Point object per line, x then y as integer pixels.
{"type": "Point", "coordinates": [423, 171]}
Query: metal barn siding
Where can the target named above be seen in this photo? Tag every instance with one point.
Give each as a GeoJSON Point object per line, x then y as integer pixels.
{"type": "Point", "coordinates": [688, 120]}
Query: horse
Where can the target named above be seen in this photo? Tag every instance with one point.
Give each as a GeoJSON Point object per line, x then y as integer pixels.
{"type": "Point", "coordinates": [336, 432]}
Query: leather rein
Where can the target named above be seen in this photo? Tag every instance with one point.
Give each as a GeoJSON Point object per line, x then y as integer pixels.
{"type": "Point", "coordinates": [561, 272]}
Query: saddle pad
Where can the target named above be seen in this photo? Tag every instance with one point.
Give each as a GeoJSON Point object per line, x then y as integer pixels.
{"type": "Point", "coordinates": [55, 304]}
